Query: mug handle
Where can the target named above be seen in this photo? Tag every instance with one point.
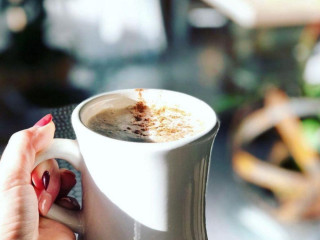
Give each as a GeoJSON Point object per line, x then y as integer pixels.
{"type": "Point", "coordinates": [68, 150]}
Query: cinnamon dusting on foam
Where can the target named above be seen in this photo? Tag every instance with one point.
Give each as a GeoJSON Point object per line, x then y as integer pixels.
{"type": "Point", "coordinates": [163, 124]}
{"type": "Point", "coordinates": [144, 123]}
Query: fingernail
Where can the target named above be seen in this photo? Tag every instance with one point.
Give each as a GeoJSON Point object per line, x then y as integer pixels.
{"type": "Point", "coordinates": [45, 179]}
{"type": "Point", "coordinates": [45, 201]}
{"type": "Point", "coordinates": [69, 202]}
{"type": "Point", "coordinates": [44, 121]}
{"type": "Point", "coordinates": [69, 173]}
{"type": "Point", "coordinates": [68, 181]}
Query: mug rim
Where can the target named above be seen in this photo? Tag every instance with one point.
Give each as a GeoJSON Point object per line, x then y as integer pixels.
{"type": "Point", "coordinates": [209, 130]}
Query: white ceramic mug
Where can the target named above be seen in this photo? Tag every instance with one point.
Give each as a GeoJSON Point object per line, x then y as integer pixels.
{"type": "Point", "coordinates": [136, 190]}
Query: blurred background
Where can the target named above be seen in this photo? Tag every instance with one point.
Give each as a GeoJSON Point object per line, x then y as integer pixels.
{"type": "Point", "coordinates": [56, 53]}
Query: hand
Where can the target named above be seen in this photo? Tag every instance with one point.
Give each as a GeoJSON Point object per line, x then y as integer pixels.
{"type": "Point", "coordinates": [24, 192]}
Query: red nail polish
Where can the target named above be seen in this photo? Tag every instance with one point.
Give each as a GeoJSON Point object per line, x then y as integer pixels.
{"type": "Point", "coordinates": [69, 202]}
{"type": "Point", "coordinates": [44, 121]}
{"type": "Point", "coordinates": [70, 173]}
{"type": "Point", "coordinates": [45, 179]}
{"type": "Point", "coordinates": [45, 201]}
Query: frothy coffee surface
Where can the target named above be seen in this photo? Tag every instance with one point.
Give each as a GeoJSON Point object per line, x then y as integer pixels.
{"type": "Point", "coordinates": [143, 123]}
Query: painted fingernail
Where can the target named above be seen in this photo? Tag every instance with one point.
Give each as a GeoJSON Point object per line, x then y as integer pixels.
{"type": "Point", "coordinates": [45, 201]}
{"type": "Point", "coordinates": [44, 121]}
{"type": "Point", "coordinates": [69, 173]}
{"type": "Point", "coordinates": [69, 202]}
{"type": "Point", "coordinates": [68, 181]}
{"type": "Point", "coordinates": [46, 179]}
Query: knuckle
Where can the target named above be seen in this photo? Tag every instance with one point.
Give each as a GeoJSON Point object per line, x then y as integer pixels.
{"type": "Point", "coordinates": [23, 138]}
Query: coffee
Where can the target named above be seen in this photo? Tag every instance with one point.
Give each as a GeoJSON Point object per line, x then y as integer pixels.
{"type": "Point", "coordinates": [143, 123]}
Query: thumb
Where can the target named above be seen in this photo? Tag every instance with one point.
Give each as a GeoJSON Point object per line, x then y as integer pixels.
{"type": "Point", "coordinates": [18, 159]}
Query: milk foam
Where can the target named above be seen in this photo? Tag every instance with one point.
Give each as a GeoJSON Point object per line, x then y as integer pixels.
{"type": "Point", "coordinates": [143, 123]}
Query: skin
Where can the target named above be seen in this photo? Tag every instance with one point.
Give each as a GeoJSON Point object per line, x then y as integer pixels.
{"type": "Point", "coordinates": [23, 198]}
